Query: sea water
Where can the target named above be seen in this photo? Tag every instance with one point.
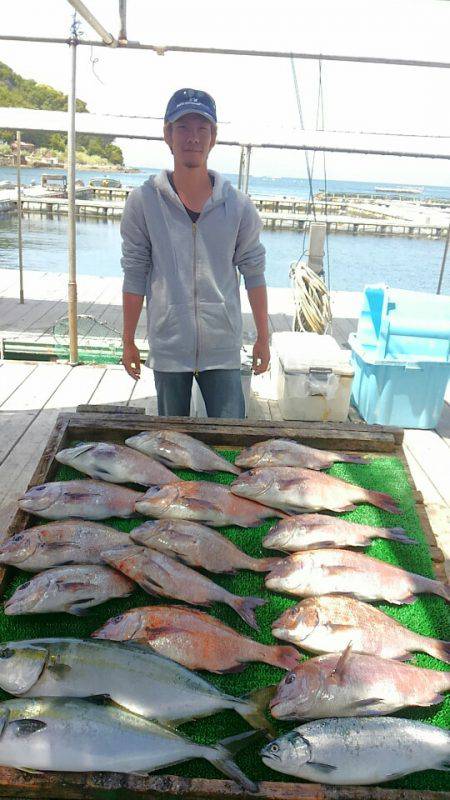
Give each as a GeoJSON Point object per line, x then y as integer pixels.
{"type": "Point", "coordinates": [351, 261]}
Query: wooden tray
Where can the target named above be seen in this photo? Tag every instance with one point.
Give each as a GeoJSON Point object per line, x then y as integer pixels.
{"type": "Point", "coordinates": [114, 423]}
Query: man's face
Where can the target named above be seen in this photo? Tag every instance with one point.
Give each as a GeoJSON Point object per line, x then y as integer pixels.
{"type": "Point", "coordinates": [190, 139]}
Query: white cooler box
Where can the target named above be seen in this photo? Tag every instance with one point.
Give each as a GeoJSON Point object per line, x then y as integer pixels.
{"type": "Point", "coordinates": [312, 375]}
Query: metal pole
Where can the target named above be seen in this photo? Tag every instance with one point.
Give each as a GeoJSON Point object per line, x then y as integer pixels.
{"type": "Point", "coordinates": [247, 168]}
{"type": "Point", "coordinates": [71, 232]}
{"type": "Point", "coordinates": [241, 168]}
{"type": "Point", "coordinates": [444, 258]}
{"type": "Point", "coordinates": [19, 211]}
{"type": "Point", "coordinates": [162, 49]}
{"type": "Point", "coordinates": [84, 12]}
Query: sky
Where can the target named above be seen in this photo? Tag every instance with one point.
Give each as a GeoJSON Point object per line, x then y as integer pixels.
{"type": "Point", "coordinates": [258, 91]}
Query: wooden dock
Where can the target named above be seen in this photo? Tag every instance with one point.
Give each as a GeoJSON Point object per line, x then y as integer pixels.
{"type": "Point", "coordinates": [32, 393]}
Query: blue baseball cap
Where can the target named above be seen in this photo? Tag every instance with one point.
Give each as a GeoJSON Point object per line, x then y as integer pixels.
{"type": "Point", "coordinates": [190, 101]}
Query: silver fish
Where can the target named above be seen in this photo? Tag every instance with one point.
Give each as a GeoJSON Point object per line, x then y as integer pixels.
{"type": "Point", "coordinates": [71, 541]}
{"type": "Point", "coordinates": [328, 624]}
{"type": "Point", "coordinates": [332, 571]}
{"type": "Point", "coordinates": [160, 689]}
{"type": "Point", "coordinates": [310, 531]}
{"type": "Point", "coordinates": [359, 750]}
{"type": "Point", "coordinates": [68, 735]}
{"type": "Point", "coordinates": [202, 501]}
{"type": "Point", "coordinates": [197, 546]}
{"type": "Point", "coordinates": [163, 576]}
{"type": "Point", "coordinates": [293, 490]}
{"type": "Point", "coordinates": [352, 684]}
{"type": "Point", "coordinates": [71, 589]}
{"type": "Point", "coordinates": [84, 498]}
{"type": "Point", "coordinates": [115, 463]}
{"type": "Point", "coordinates": [287, 453]}
{"type": "Point", "coordinates": [175, 449]}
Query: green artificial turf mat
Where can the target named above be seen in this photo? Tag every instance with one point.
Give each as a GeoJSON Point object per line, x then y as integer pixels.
{"type": "Point", "coordinates": [428, 615]}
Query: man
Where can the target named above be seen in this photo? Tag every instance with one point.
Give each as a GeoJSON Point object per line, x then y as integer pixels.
{"type": "Point", "coordinates": [184, 236]}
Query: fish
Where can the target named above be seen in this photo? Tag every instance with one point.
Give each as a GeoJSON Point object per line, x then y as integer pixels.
{"type": "Point", "coordinates": [352, 684]}
{"type": "Point", "coordinates": [194, 639]}
{"type": "Point", "coordinates": [160, 688]}
{"type": "Point", "coordinates": [311, 531]}
{"type": "Point", "coordinates": [160, 575]}
{"type": "Point", "coordinates": [80, 498]}
{"type": "Point", "coordinates": [71, 735]}
{"type": "Point", "coordinates": [175, 449]}
{"type": "Point", "coordinates": [197, 546]}
{"type": "Point", "coordinates": [287, 453]}
{"type": "Point", "coordinates": [328, 624]}
{"type": "Point", "coordinates": [71, 589]}
{"type": "Point", "coordinates": [358, 750]}
{"type": "Point", "coordinates": [202, 501]}
{"type": "Point", "coordinates": [115, 463]}
{"type": "Point", "coordinates": [333, 571]}
{"type": "Point", "coordinates": [294, 489]}
{"type": "Point", "coordinates": [71, 541]}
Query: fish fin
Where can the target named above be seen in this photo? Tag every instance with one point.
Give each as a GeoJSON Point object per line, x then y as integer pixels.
{"type": "Point", "coordinates": [288, 484]}
{"type": "Point", "coordinates": [245, 607]}
{"type": "Point", "coordinates": [381, 500]}
{"type": "Point", "coordinates": [153, 633]}
{"type": "Point", "coordinates": [30, 771]}
{"type": "Point", "coordinates": [26, 727]}
{"type": "Point", "coordinates": [231, 670]}
{"type": "Point", "coordinates": [70, 586]}
{"type": "Point", "coordinates": [79, 496]}
{"type": "Point", "coordinates": [337, 626]}
{"type": "Point", "coordinates": [283, 656]}
{"type": "Point", "coordinates": [200, 505]}
{"type": "Point", "coordinates": [337, 673]}
{"type": "Point", "coordinates": [81, 608]}
{"type": "Point", "coordinates": [150, 586]}
{"type": "Point", "coordinates": [445, 766]}
{"type": "Point", "coordinates": [411, 598]}
{"type": "Point", "coordinates": [347, 507]}
{"type": "Point", "coordinates": [256, 703]}
{"type": "Point", "coordinates": [322, 767]}
{"type": "Point", "coordinates": [220, 756]}
{"type": "Point", "coordinates": [399, 535]}
{"type": "Point", "coordinates": [345, 458]}
{"type": "Point", "coordinates": [98, 699]}
{"type": "Point", "coordinates": [369, 701]}
{"type": "Point", "coordinates": [58, 670]}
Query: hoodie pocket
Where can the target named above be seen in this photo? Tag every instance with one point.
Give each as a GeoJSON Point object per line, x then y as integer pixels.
{"type": "Point", "coordinates": [172, 329]}
{"type": "Point", "coordinates": [216, 328]}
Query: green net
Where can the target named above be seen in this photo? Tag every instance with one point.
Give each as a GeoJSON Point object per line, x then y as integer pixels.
{"type": "Point", "coordinates": [427, 615]}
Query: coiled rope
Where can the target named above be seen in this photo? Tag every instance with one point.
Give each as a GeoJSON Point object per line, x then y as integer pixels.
{"type": "Point", "coordinates": [311, 299]}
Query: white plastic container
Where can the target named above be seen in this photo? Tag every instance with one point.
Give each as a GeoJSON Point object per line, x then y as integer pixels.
{"type": "Point", "coordinates": [313, 377]}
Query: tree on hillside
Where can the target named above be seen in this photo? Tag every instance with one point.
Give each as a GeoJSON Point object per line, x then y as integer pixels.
{"type": "Point", "coordinates": [19, 92]}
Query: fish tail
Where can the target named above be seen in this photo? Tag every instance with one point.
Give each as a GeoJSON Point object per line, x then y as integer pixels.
{"type": "Point", "coordinates": [265, 564]}
{"type": "Point", "coordinates": [435, 647]}
{"type": "Point", "coordinates": [245, 607]}
{"type": "Point", "coordinates": [283, 656]}
{"type": "Point", "coordinates": [252, 708]}
{"type": "Point", "coordinates": [397, 535]}
{"type": "Point", "coordinates": [221, 756]}
{"type": "Point", "coordinates": [436, 587]}
{"type": "Point", "coordinates": [381, 500]}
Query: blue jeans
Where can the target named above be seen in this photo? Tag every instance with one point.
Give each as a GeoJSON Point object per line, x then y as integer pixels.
{"type": "Point", "coordinates": [221, 390]}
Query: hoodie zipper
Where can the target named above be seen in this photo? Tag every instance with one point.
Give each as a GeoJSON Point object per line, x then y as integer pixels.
{"type": "Point", "coordinates": [194, 233]}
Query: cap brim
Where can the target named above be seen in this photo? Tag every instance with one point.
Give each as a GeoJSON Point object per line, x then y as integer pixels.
{"type": "Point", "coordinates": [182, 113]}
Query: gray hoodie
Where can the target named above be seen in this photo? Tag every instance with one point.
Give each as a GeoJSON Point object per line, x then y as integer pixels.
{"type": "Point", "coordinates": [189, 272]}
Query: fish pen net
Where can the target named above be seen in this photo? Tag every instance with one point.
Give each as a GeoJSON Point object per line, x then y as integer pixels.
{"type": "Point", "coordinates": [428, 615]}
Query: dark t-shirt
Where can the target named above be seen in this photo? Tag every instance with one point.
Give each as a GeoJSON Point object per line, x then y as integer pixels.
{"type": "Point", "coordinates": [194, 215]}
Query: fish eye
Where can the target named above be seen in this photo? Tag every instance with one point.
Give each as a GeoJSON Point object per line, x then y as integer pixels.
{"type": "Point", "coordinates": [7, 652]}
{"type": "Point", "coordinates": [39, 488]}
{"type": "Point", "coordinates": [17, 538]}
{"type": "Point", "coordinates": [290, 678]}
{"type": "Point", "coordinates": [274, 748]}
{"type": "Point", "coordinates": [117, 619]}
{"type": "Point", "coordinates": [24, 586]}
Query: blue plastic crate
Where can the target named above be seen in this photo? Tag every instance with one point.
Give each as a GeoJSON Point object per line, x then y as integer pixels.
{"type": "Point", "coordinates": [405, 392]}
{"type": "Point", "coordinates": [395, 323]}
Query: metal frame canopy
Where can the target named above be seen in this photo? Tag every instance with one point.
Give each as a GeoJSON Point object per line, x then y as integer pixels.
{"type": "Point", "coordinates": [150, 128]}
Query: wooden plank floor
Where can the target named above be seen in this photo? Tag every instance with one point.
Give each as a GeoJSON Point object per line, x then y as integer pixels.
{"type": "Point", "coordinates": [32, 394]}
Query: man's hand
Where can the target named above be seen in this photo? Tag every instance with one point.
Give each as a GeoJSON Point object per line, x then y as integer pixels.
{"type": "Point", "coordinates": [131, 360]}
{"type": "Point", "coordinates": [261, 356]}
